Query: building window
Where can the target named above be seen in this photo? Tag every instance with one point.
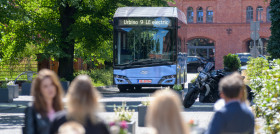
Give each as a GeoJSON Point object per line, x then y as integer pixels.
{"type": "Point", "coordinates": [249, 14]}
{"type": "Point", "coordinates": [202, 47]}
{"type": "Point", "coordinates": [190, 15]}
{"type": "Point", "coordinates": [268, 16]}
{"type": "Point", "coordinates": [209, 15]}
{"type": "Point", "coordinates": [199, 15]}
{"type": "Point", "coordinates": [259, 13]}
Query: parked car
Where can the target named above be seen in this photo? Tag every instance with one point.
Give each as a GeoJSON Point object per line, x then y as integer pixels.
{"type": "Point", "coordinates": [195, 63]}
{"type": "Point", "coordinates": [244, 58]}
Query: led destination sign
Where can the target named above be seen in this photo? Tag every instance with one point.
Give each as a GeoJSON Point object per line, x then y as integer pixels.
{"type": "Point", "coordinates": [155, 22]}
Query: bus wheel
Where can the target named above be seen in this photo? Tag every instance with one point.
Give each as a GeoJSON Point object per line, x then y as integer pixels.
{"type": "Point", "coordinates": [137, 88]}
{"type": "Point", "coordinates": [133, 89]}
{"type": "Point", "coordinates": [123, 88]}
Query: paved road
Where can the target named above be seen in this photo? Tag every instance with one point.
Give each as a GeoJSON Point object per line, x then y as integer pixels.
{"type": "Point", "coordinates": [11, 114]}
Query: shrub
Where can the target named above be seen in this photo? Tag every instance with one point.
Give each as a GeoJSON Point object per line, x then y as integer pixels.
{"type": "Point", "coordinates": [265, 83]}
{"type": "Point", "coordinates": [100, 77]}
{"type": "Point", "coordinates": [3, 85]}
{"type": "Point", "coordinates": [177, 87]}
{"type": "Point", "coordinates": [254, 71]}
{"type": "Point", "coordinates": [231, 62]}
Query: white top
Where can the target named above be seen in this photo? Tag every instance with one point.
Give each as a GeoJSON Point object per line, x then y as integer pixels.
{"type": "Point", "coordinates": [151, 12]}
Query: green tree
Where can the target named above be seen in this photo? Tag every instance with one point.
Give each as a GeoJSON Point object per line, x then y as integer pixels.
{"type": "Point", "coordinates": [63, 29]}
{"type": "Point", "coordinates": [274, 40]}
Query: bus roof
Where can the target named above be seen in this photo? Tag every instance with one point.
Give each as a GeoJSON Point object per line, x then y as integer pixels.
{"type": "Point", "coordinates": [151, 12]}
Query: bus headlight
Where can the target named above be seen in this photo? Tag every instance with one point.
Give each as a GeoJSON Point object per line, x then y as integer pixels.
{"type": "Point", "coordinates": [167, 77]}
{"type": "Point", "coordinates": [121, 79]}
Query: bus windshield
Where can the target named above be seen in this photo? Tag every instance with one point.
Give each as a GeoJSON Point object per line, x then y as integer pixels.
{"type": "Point", "coordinates": [141, 46]}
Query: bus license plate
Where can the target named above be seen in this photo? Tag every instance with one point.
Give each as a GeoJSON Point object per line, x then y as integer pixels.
{"type": "Point", "coordinates": [144, 81]}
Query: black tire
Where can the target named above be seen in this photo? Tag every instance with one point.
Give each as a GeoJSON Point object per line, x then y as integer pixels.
{"type": "Point", "coordinates": [135, 89]}
{"type": "Point", "coordinates": [190, 97]}
{"type": "Point", "coordinates": [250, 94]}
{"type": "Point", "coordinates": [123, 88]}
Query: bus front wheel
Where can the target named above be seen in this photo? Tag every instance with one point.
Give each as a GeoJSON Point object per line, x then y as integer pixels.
{"type": "Point", "coordinates": [123, 88]}
{"type": "Point", "coordinates": [137, 89]}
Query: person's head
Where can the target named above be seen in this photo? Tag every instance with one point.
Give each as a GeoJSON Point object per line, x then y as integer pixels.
{"type": "Point", "coordinates": [71, 127]}
{"type": "Point", "coordinates": [82, 100]}
{"type": "Point", "coordinates": [46, 87]}
{"type": "Point", "coordinates": [231, 87]}
{"type": "Point", "coordinates": [164, 113]}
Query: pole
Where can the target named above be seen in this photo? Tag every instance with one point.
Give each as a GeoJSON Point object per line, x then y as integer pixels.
{"type": "Point", "coordinates": [254, 49]}
{"type": "Point", "coordinates": [134, 46]}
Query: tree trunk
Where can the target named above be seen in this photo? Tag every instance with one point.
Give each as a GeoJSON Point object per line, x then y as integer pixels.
{"type": "Point", "coordinates": [65, 69]}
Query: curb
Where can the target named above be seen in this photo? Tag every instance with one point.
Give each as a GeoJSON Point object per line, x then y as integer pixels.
{"type": "Point", "coordinates": [103, 88]}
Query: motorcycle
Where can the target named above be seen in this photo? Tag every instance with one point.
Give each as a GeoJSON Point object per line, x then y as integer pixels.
{"type": "Point", "coordinates": [206, 86]}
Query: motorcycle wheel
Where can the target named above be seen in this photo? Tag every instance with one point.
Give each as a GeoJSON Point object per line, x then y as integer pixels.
{"type": "Point", "coordinates": [250, 94]}
{"type": "Point", "coordinates": [190, 97]}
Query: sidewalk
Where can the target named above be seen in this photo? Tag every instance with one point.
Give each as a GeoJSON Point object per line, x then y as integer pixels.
{"type": "Point", "coordinates": [12, 115]}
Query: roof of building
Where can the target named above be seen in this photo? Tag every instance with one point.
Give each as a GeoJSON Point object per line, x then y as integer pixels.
{"type": "Point", "coordinates": [151, 12]}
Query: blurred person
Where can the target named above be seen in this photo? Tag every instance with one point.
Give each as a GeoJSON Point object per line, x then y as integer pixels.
{"type": "Point", "coordinates": [47, 94]}
{"type": "Point", "coordinates": [82, 106]}
{"type": "Point", "coordinates": [164, 115]}
{"type": "Point", "coordinates": [234, 117]}
{"type": "Point", "coordinates": [243, 98]}
{"type": "Point", "coordinates": [71, 127]}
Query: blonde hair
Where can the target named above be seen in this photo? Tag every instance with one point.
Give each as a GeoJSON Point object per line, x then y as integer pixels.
{"type": "Point", "coordinates": [164, 113]}
{"type": "Point", "coordinates": [39, 101]}
{"type": "Point", "coordinates": [71, 127]}
{"type": "Point", "coordinates": [243, 90]}
{"type": "Point", "coordinates": [82, 100]}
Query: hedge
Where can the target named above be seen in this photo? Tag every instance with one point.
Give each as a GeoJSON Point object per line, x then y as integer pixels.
{"type": "Point", "coordinates": [265, 83]}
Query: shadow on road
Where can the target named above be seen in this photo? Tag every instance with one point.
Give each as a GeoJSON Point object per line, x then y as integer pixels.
{"type": "Point", "coordinates": [200, 107]}
{"type": "Point", "coordinates": [16, 107]}
{"type": "Point", "coordinates": [197, 107]}
{"type": "Point", "coordinates": [147, 90]}
{"type": "Point", "coordinates": [11, 122]}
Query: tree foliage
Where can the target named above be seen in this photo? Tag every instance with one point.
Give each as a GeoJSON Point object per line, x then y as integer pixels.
{"type": "Point", "coordinates": [61, 29]}
{"type": "Point", "coordinates": [274, 40]}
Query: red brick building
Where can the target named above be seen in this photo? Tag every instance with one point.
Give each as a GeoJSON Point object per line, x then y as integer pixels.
{"type": "Point", "coordinates": [219, 27]}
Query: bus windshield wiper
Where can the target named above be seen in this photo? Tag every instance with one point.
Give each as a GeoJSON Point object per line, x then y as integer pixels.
{"type": "Point", "coordinates": [150, 61]}
{"type": "Point", "coordinates": [146, 62]}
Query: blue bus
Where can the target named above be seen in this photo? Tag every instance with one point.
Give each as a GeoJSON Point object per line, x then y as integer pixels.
{"type": "Point", "coordinates": [148, 50]}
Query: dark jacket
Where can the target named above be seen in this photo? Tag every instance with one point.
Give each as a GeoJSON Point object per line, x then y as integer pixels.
{"type": "Point", "coordinates": [60, 118]}
{"type": "Point", "coordinates": [234, 118]}
{"type": "Point", "coordinates": [34, 122]}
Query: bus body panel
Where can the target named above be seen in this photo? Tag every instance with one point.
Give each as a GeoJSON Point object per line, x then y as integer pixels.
{"type": "Point", "coordinates": [161, 75]}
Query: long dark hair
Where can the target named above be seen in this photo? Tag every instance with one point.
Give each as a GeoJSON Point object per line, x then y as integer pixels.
{"type": "Point", "coordinates": [39, 101]}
